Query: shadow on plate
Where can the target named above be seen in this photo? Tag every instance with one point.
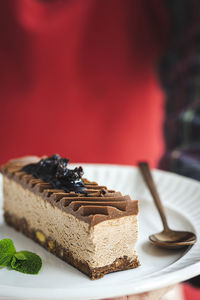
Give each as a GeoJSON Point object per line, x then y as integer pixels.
{"type": "Point", "coordinates": [153, 250]}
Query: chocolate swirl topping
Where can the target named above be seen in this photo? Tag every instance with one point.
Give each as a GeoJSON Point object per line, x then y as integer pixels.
{"type": "Point", "coordinates": [90, 202]}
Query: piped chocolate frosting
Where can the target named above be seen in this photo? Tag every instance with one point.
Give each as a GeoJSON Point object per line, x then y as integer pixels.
{"type": "Point", "coordinates": [88, 201]}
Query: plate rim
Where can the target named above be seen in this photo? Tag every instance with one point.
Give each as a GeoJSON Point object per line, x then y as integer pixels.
{"type": "Point", "coordinates": [60, 293]}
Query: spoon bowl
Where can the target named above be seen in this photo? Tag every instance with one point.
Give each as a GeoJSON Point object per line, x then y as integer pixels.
{"type": "Point", "coordinates": [173, 239]}
{"type": "Point", "coordinates": [168, 238]}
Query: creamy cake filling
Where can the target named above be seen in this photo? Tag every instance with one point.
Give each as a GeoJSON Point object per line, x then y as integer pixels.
{"type": "Point", "coordinates": [98, 245]}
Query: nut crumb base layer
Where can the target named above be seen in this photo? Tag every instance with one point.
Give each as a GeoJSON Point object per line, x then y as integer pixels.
{"type": "Point", "coordinates": [120, 264]}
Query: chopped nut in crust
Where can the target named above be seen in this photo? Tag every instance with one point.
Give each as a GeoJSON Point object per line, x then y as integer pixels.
{"type": "Point", "coordinates": [40, 236]}
{"type": "Point", "coordinates": [117, 263]}
{"type": "Point", "coordinates": [51, 244]}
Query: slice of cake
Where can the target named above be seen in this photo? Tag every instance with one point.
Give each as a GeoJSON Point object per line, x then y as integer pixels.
{"type": "Point", "coordinates": [85, 224]}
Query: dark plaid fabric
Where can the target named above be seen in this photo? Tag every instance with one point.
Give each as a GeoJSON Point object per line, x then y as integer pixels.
{"type": "Point", "coordinates": [179, 71]}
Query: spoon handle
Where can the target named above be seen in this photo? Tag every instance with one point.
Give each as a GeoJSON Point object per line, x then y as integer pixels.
{"type": "Point", "coordinates": [146, 173]}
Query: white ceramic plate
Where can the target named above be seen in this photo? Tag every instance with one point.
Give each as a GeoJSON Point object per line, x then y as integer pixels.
{"type": "Point", "coordinates": [159, 268]}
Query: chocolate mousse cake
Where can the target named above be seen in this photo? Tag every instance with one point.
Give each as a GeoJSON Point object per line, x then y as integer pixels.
{"type": "Point", "coordinates": [87, 225]}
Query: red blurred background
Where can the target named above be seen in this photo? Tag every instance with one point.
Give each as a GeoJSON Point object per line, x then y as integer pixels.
{"type": "Point", "coordinates": [78, 78]}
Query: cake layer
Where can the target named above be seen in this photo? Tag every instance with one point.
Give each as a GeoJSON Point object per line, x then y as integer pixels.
{"type": "Point", "coordinates": [97, 246]}
{"type": "Point", "coordinates": [121, 263]}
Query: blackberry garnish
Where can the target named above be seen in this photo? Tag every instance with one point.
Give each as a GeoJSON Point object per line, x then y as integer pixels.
{"type": "Point", "coordinates": [54, 170]}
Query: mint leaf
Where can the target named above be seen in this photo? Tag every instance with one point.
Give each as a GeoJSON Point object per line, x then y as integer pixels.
{"type": "Point", "coordinates": [26, 262]}
{"type": "Point", "coordinates": [20, 255]}
{"type": "Point", "coordinates": [7, 246]}
{"type": "Point", "coordinates": [5, 260]}
{"type": "Point", "coordinates": [7, 250]}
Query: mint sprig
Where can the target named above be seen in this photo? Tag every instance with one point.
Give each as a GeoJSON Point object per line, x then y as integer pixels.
{"type": "Point", "coordinates": [23, 261]}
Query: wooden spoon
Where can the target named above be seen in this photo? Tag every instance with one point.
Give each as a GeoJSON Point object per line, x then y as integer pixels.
{"type": "Point", "coordinates": [167, 238]}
